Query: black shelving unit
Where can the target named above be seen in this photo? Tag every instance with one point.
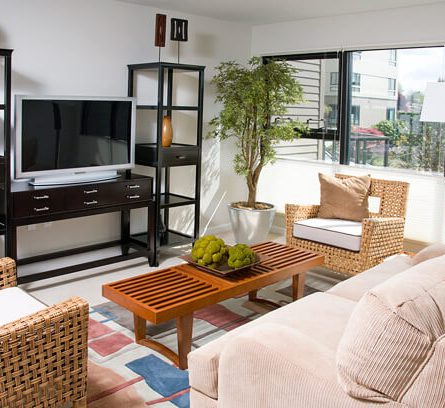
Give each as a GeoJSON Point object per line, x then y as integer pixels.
{"type": "Point", "coordinates": [5, 106]}
{"type": "Point", "coordinates": [178, 154]}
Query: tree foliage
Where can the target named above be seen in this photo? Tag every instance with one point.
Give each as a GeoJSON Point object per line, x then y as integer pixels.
{"type": "Point", "coordinates": [251, 96]}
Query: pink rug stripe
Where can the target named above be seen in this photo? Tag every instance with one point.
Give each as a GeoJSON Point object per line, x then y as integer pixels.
{"type": "Point", "coordinates": [169, 398]}
{"type": "Point", "coordinates": [113, 390]}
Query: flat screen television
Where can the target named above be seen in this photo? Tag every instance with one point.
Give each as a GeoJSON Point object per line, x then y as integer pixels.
{"type": "Point", "coordinates": [67, 139]}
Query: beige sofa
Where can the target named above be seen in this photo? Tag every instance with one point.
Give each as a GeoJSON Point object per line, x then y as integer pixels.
{"type": "Point", "coordinates": [377, 339]}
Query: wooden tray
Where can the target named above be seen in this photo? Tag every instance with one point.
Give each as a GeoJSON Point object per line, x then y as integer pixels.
{"type": "Point", "coordinates": [225, 269]}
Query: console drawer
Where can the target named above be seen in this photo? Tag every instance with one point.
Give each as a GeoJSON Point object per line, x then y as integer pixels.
{"type": "Point", "coordinates": [179, 156]}
{"type": "Point", "coordinates": [37, 202]}
{"type": "Point", "coordinates": [136, 190]}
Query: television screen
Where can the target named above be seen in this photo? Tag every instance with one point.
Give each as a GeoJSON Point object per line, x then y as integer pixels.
{"type": "Point", "coordinates": [57, 135]}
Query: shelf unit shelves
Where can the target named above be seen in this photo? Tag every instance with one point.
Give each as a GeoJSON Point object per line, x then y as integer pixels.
{"type": "Point", "coordinates": [178, 154]}
{"type": "Point", "coordinates": [5, 107]}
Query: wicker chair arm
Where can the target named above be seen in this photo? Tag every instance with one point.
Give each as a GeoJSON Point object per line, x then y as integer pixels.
{"type": "Point", "coordinates": [44, 356]}
{"type": "Point", "coordinates": [8, 273]}
{"type": "Point", "coordinates": [382, 236]}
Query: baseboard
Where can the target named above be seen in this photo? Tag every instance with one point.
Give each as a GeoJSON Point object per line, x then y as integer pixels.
{"type": "Point", "coordinates": [278, 230]}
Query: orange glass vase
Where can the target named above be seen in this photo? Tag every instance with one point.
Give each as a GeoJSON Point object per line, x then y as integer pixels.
{"type": "Point", "coordinates": [167, 131]}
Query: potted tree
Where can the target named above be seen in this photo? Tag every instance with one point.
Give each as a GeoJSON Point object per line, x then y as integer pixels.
{"type": "Point", "coordinates": [252, 97]}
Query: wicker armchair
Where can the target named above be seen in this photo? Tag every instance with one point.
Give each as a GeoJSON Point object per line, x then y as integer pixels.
{"type": "Point", "coordinates": [43, 357]}
{"type": "Point", "coordinates": [382, 233]}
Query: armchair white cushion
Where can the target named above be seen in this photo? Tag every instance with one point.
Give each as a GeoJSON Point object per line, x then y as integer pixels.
{"type": "Point", "coordinates": [16, 303]}
{"type": "Point", "coordinates": [340, 233]}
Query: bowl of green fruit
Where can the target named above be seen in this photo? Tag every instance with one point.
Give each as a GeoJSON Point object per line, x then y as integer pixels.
{"type": "Point", "coordinates": [211, 254]}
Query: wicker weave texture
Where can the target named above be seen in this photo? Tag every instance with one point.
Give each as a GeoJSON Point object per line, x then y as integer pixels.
{"type": "Point", "coordinates": [43, 357]}
{"type": "Point", "coordinates": [382, 235]}
{"type": "Point", "coordinates": [8, 275]}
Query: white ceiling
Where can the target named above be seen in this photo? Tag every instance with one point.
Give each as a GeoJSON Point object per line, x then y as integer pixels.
{"type": "Point", "coordinates": [269, 11]}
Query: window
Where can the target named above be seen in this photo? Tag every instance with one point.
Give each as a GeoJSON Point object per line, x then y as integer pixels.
{"type": "Point", "coordinates": [392, 57]}
{"type": "Point", "coordinates": [333, 81]}
{"type": "Point", "coordinates": [356, 82]}
{"type": "Point", "coordinates": [391, 86]}
{"type": "Point", "coordinates": [390, 114]}
{"type": "Point", "coordinates": [384, 138]}
{"type": "Point", "coordinates": [355, 115]}
{"type": "Point", "coordinates": [331, 118]}
{"type": "Point", "coordinates": [378, 109]}
{"type": "Point", "coordinates": [357, 55]}
{"type": "Point", "coordinates": [318, 75]}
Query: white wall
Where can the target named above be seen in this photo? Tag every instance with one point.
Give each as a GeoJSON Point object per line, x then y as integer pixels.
{"type": "Point", "coordinates": [403, 26]}
{"type": "Point", "coordinates": [82, 47]}
{"type": "Point", "coordinates": [297, 182]}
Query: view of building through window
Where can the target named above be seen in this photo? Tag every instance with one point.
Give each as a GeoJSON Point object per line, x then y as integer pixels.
{"type": "Point", "coordinates": [319, 79]}
{"type": "Point", "coordinates": [386, 95]}
{"type": "Point", "coordinates": [387, 132]}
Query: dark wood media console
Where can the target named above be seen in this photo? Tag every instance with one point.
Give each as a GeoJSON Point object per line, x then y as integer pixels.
{"type": "Point", "coordinates": [33, 205]}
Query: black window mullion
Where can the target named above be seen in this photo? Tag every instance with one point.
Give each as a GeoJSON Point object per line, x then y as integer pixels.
{"type": "Point", "coordinates": [344, 103]}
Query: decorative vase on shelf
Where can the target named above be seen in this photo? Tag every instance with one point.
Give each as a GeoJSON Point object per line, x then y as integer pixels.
{"type": "Point", "coordinates": [167, 131]}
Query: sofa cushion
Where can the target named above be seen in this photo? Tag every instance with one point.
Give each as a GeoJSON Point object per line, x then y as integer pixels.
{"type": "Point", "coordinates": [354, 288]}
{"type": "Point", "coordinates": [393, 335]}
{"type": "Point", "coordinates": [304, 315]}
{"type": "Point", "coordinates": [16, 303]}
{"type": "Point", "coordinates": [431, 251]}
{"type": "Point", "coordinates": [340, 233]}
{"type": "Point", "coordinates": [344, 198]}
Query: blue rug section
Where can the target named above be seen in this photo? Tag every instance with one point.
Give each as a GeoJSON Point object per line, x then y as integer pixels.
{"type": "Point", "coordinates": [162, 377]}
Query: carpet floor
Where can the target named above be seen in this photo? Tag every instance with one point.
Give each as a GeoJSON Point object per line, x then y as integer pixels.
{"type": "Point", "coordinates": [124, 374]}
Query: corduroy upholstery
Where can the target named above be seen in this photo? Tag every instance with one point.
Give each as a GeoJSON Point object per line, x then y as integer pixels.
{"type": "Point", "coordinates": [382, 232]}
{"type": "Point", "coordinates": [288, 357]}
{"type": "Point", "coordinates": [43, 356]}
{"type": "Point", "coordinates": [395, 333]}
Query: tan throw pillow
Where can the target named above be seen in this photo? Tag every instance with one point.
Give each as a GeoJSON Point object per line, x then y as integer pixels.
{"type": "Point", "coordinates": [346, 199]}
{"type": "Point", "coordinates": [393, 346]}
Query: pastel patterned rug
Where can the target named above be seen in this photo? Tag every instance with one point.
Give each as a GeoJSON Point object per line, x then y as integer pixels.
{"type": "Point", "coordinates": [122, 374]}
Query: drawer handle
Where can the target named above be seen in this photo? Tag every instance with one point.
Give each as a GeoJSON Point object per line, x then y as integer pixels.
{"type": "Point", "coordinates": [181, 157]}
{"type": "Point", "coordinates": [131, 186]}
{"type": "Point", "coordinates": [42, 197]}
{"type": "Point", "coordinates": [41, 209]}
{"type": "Point", "coordinates": [133, 197]}
{"type": "Point", "coordinates": [92, 202]}
{"type": "Point", "coordinates": [89, 191]}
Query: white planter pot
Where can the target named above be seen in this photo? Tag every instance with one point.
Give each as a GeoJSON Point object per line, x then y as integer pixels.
{"type": "Point", "coordinates": [251, 226]}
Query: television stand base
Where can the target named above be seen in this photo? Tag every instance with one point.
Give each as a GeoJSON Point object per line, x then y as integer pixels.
{"type": "Point", "coordinates": [75, 178]}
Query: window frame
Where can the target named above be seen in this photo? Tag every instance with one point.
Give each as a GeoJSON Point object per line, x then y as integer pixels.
{"type": "Point", "coordinates": [345, 89]}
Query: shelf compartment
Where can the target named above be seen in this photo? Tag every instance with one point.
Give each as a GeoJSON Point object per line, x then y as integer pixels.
{"type": "Point", "coordinates": [174, 238]}
{"type": "Point", "coordinates": [175, 155]}
{"type": "Point", "coordinates": [175, 200]}
{"type": "Point", "coordinates": [167, 107]}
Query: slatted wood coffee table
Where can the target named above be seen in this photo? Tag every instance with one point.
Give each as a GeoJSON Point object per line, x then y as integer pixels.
{"type": "Point", "coordinates": [178, 291]}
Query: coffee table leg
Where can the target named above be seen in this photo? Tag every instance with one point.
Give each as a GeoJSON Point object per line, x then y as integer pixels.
{"type": "Point", "coordinates": [184, 327]}
{"type": "Point", "coordinates": [253, 295]}
{"type": "Point", "coordinates": [140, 328]}
{"type": "Point", "coordinates": [298, 285]}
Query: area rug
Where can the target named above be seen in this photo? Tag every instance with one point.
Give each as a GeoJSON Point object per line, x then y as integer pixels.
{"type": "Point", "coordinates": [123, 374]}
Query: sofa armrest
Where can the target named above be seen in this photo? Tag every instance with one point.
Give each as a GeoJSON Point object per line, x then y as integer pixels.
{"type": "Point", "coordinates": [8, 273]}
{"type": "Point", "coordinates": [382, 237]}
{"type": "Point", "coordinates": [44, 356]}
{"type": "Point", "coordinates": [276, 366]}
{"type": "Point", "coordinates": [295, 212]}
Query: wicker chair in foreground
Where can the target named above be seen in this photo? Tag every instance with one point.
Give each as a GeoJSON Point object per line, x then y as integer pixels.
{"type": "Point", "coordinates": [381, 234]}
{"type": "Point", "coordinates": [43, 356]}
